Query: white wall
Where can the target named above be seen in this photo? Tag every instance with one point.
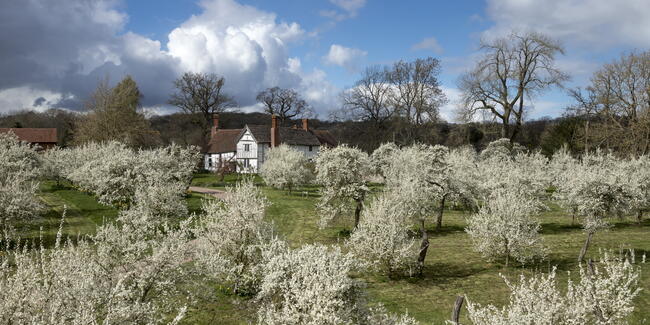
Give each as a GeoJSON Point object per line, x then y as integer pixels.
{"type": "Point", "coordinates": [216, 159]}
{"type": "Point", "coordinates": [251, 155]}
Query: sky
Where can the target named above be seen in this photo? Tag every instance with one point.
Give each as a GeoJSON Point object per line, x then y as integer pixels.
{"type": "Point", "coordinates": [54, 53]}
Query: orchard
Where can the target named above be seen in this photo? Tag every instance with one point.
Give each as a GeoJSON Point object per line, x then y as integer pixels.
{"type": "Point", "coordinates": [330, 241]}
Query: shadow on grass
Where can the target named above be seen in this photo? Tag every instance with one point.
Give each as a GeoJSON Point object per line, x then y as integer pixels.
{"type": "Point", "coordinates": [559, 228]}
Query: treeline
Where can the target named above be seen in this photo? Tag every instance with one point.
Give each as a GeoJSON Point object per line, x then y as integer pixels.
{"type": "Point", "coordinates": [545, 134]}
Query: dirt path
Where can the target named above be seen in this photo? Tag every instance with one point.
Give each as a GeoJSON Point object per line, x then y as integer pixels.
{"type": "Point", "coordinates": [219, 194]}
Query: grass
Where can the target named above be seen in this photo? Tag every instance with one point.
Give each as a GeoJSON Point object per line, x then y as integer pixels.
{"type": "Point", "coordinates": [452, 267]}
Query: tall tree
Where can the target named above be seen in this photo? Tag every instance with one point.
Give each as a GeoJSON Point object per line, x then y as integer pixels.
{"type": "Point", "coordinates": [285, 103]}
{"type": "Point", "coordinates": [512, 69]}
{"type": "Point", "coordinates": [201, 94]}
{"type": "Point", "coordinates": [587, 107]}
{"type": "Point", "coordinates": [417, 92]}
{"type": "Point", "coordinates": [621, 95]}
{"type": "Point", "coordinates": [116, 114]}
{"type": "Point", "coordinates": [370, 98]}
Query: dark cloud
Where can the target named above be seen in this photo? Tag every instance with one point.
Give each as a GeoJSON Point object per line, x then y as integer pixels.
{"type": "Point", "coordinates": [54, 53]}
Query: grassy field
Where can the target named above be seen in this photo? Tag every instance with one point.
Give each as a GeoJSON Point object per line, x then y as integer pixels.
{"type": "Point", "coordinates": [452, 267]}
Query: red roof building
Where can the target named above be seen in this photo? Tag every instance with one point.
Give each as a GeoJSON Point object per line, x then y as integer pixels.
{"type": "Point", "coordinates": [45, 138]}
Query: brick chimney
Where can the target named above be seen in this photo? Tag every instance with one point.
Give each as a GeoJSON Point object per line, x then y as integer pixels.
{"type": "Point", "coordinates": [305, 124]}
{"type": "Point", "coordinates": [275, 131]}
{"type": "Point", "coordinates": [215, 125]}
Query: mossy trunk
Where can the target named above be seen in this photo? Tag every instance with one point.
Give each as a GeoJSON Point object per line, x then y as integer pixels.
{"type": "Point", "coordinates": [583, 251]}
{"type": "Point", "coordinates": [440, 212]}
{"type": "Point", "coordinates": [357, 212]}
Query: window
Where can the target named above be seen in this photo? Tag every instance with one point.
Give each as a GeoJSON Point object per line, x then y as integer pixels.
{"type": "Point", "coordinates": [247, 147]}
{"type": "Point", "coordinates": [209, 162]}
{"type": "Point", "coordinates": [246, 163]}
{"type": "Point", "coordinates": [311, 148]}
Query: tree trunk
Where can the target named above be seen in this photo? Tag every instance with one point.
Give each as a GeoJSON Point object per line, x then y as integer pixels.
{"type": "Point", "coordinates": [507, 251]}
{"type": "Point", "coordinates": [583, 251]}
{"type": "Point", "coordinates": [573, 217]}
{"type": "Point", "coordinates": [357, 213]}
{"type": "Point", "coordinates": [639, 216]}
{"type": "Point", "coordinates": [424, 246]}
{"type": "Point", "coordinates": [455, 315]}
{"type": "Point", "coordinates": [440, 212]}
{"type": "Point", "coordinates": [505, 129]}
{"type": "Point", "coordinates": [587, 135]}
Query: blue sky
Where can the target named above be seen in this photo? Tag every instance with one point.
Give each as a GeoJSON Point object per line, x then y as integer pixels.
{"type": "Point", "coordinates": [55, 53]}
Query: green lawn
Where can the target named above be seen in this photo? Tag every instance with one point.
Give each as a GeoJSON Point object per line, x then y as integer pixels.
{"type": "Point", "coordinates": [452, 267]}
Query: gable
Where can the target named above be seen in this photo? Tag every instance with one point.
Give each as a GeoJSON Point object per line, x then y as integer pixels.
{"type": "Point", "coordinates": [224, 141]}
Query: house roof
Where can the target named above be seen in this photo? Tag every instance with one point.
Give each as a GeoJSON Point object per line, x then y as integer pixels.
{"type": "Point", "coordinates": [33, 135]}
{"type": "Point", "coordinates": [225, 140]}
{"type": "Point", "coordinates": [325, 137]}
{"type": "Point", "coordinates": [292, 136]}
{"type": "Point", "coordinates": [288, 135]}
{"type": "Point", "coordinates": [261, 133]}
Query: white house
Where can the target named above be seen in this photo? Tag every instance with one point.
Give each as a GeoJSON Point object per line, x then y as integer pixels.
{"type": "Point", "coordinates": [221, 150]}
{"type": "Point", "coordinates": [245, 149]}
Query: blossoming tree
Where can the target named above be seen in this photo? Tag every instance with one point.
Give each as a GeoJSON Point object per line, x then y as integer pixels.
{"type": "Point", "coordinates": [343, 172]}
{"type": "Point", "coordinates": [285, 168]}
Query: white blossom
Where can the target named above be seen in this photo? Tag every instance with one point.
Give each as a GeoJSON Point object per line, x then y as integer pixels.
{"type": "Point", "coordinates": [234, 238]}
{"type": "Point", "coordinates": [19, 169]}
{"type": "Point", "coordinates": [382, 238]}
{"type": "Point", "coordinates": [342, 171]}
{"type": "Point", "coordinates": [604, 295]}
{"type": "Point", "coordinates": [312, 286]}
{"type": "Point", "coordinates": [285, 168]}
{"type": "Point", "coordinates": [505, 227]}
{"type": "Point", "coordinates": [381, 157]}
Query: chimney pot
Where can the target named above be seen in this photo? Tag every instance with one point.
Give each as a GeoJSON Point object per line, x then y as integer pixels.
{"type": "Point", "coordinates": [215, 125]}
{"type": "Point", "coordinates": [215, 120]}
{"type": "Point", "coordinates": [275, 132]}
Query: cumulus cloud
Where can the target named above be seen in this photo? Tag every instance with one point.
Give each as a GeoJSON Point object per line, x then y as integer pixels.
{"type": "Point", "coordinates": [19, 98]}
{"type": "Point", "coordinates": [448, 111]}
{"type": "Point", "coordinates": [346, 57]}
{"type": "Point", "coordinates": [64, 48]}
{"type": "Point", "coordinates": [596, 23]}
{"type": "Point", "coordinates": [429, 43]}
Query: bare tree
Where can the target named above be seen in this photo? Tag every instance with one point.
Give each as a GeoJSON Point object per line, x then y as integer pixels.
{"type": "Point", "coordinates": [201, 94]}
{"type": "Point", "coordinates": [587, 107]}
{"type": "Point", "coordinates": [417, 92]}
{"type": "Point", "coordinates": [371, 97]}
{"type": "Point", "coordinates": [513, 69]}
{"type": "Point", "coordinates": [285, 103]}
{"type": "Point", "coordinates": [622, 90]}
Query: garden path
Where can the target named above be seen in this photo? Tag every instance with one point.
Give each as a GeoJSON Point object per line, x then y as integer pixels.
{"type": "Point", "coordinates": [219, 194]}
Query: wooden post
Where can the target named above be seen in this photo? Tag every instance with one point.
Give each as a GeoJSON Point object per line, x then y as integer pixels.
{"type": "Point", "coordinates": [455, 315]}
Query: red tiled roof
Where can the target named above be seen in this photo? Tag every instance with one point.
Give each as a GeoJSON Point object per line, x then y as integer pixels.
{"type": "Point", "coordinates": [33, 135]}
{"type": "Point", "coordinates": [225, 140]}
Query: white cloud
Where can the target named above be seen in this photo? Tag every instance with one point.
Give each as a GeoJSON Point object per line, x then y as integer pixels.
{"type": "Point", "coordinates": [594, 23]}
{"type": "Point", "coordinates": [85, 42]}
{"type": "Point", "coordinates": [543, 108]}
{"type": "Point", "coordinates": [19, 98]}
{"type": "Point", "coordinates": [349, 5]}
{"type": "Point", "coordinates": [344, 56]}
{"type": "Point", "coordinates": [448, 111]}
{"type": "Point", "coordinates": [349, 8]}
{"type": "Point", "coordinates": [429, 43]}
